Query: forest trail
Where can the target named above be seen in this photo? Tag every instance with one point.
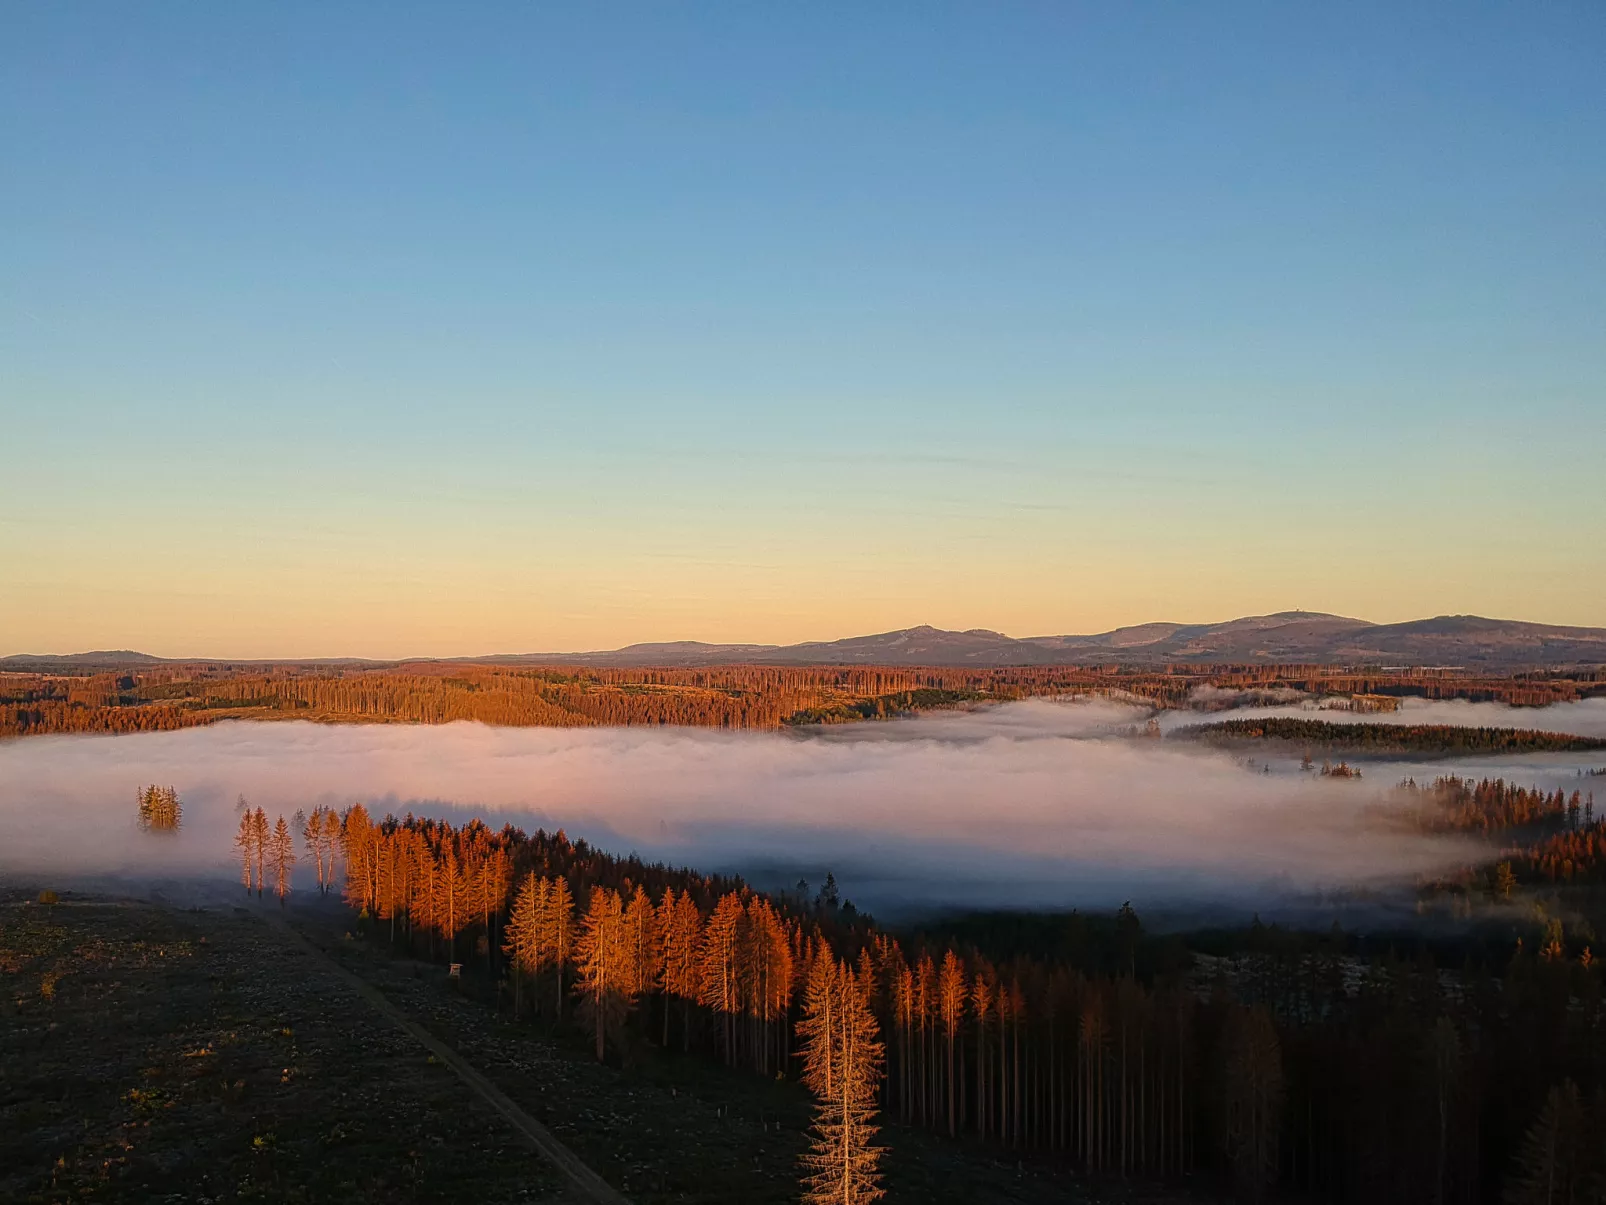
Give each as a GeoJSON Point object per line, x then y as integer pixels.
{"type": "Point", "coordinates": [586, 1183]}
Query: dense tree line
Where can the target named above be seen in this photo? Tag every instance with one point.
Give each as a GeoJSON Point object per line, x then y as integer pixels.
{"type": "Point", "coordinates": [1492, 805]}
{"type": "Point", "coordinates": [1552, 837]}
{"type": "Point", "coordinates": [1297, 1065]}
{"type": "Point", "coordinates": [27, 719]}
{"type": "Point", "coordinates": [744, 697]}
{"type": "Point", "coordinates": [1519, 690]}
{"type": "Point", "coordinates": [739, 696]}
{"type": "Point", "coordinates": [1577, 855]}
{"type": "Point", "coordinates": [1322, 735]}
{"type": "Point", "coordinates": [881, 707]}
{"type": "Point", "coordinates": [724, 697]}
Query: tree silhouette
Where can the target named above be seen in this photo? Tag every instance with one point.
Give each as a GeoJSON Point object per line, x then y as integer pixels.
{"type": "Point", "coordinates": [1553, 1161]}
{"type": "Point", "coordinates": [1253, 1099]}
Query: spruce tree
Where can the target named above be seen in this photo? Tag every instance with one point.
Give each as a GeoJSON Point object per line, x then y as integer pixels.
{"type": "Point", "coordinates": [522, 933]}
{"type": "Point", "coordinates": [245, 842]}
{"type": "Point", "coordinates": [602, 959]}
{"type": "Point", "coordinates": [260, 836]}
{"type": "Point", "coordinates": [281, 856]}
{"type": "Point", "coordinates": [843, 1060]}
{"type": "Point", "coordinates": [1252, 1108]}
{"type": "Point", "coordinates": [719, 969]}
{"type": "Point", "coordinates": [681, 923]}
{"type": "Point", "coordinates": [1552, 1164]}
{"type": "Point", "coordinates": [558, 926]}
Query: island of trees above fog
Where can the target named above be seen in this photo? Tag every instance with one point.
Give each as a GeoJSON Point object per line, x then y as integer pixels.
{"type": "Point", "coordinates": [161, 696]}
{"type": "Point", "coordinates": [1436, 739]}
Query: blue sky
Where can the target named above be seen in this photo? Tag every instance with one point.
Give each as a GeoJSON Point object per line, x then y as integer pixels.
{"type": "Point", "coordinates": [405, 329]}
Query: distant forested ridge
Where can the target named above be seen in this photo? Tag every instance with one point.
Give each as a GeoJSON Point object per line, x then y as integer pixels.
{"type": "Point", "coordinates": [734, 697]}
{"type": "Point", "coordinates": [146, 697]}
{"type": "Point", "coordinates": [1325, 736]}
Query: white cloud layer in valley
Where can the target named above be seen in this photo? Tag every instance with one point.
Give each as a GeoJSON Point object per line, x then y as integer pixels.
{"type": "Point", "coordinates": [1586, 717]}
{"type": "Point", "coordinates": [1030, 804]}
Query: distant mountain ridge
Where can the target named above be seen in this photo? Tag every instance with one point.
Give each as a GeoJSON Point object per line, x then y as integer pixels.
{"type": "Point", "coordinates": [1287, 636]}
{"type": "Point", "coordinates": [100, 657]}
{"type": "Point", "coordinates": [1309, 637]}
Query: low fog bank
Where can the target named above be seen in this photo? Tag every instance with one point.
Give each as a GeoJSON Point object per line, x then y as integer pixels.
{"type": "Point", "coordinates": [990, 808]}
{"type": "Point", "coordinates": [1546, 771]}
{"type": "Point", "coordinates": [1030, 719]}
{"type": "Point", "coordinates": [1586, 717]}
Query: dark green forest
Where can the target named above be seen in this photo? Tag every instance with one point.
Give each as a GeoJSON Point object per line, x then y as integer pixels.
{"type": "Point", "coordinates": [1324, 736]}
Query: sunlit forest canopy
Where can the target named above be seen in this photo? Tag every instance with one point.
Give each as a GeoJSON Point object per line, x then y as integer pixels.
{"type": "Point", "coordinates": [1260, 1059]}
{"type": "Point", "coordinates": [180, 695]}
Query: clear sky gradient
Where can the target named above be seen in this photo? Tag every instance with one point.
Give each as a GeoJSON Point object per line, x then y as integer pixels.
{"type": "Point", "coordinates": [382, 330]}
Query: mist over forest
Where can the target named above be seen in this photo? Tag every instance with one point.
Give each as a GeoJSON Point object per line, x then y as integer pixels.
{"type": "Point", "coordinates": [1033, 804]}
{"type": "Point", "coordinates": [1580, 717]}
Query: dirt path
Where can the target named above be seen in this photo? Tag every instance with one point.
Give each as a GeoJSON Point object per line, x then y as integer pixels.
{"type": "Point", "coordinates": [584, 1181]}
{"type": "Point", "coordinates": [155, 1053]}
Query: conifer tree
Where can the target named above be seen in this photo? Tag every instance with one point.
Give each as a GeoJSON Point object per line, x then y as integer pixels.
{"type": "Point", "coordinates": [951, 1010]}
{"type": "Point", "coordinates": [315, 837]}
{"type": "Point", "coordinates": [1446, 1056]}
{"type": "Point", "coordinates": [457, 897]}
{"type": "Point", "coordinates": [766, 969]}
{"type": "Point", "coordinates": [602, 961]}
{"type": "Point", "coordinates": [245, 842]}
{"type": "Point", "coordinates": [522, 933]}
{"type": "Point", "coordinates": [260, 837]}
{"type": "Point", "coordinates": [426, 877]}
{"type": "Point", "coordinates": [281, 856]}
{"type": "Point", "coordinates": [818, 1028]}
{"type": "Point", "coordinates": [1553, 1163]}
{"type": "Point", "coordinates": [356, 843]}
{"type": "Point", "coordinates": [645, 942]}
{"type": "Point", "coordinates": [721, 985]}
{"type": "Point", "coordinates": [1504, 880]}
{"type": "Point", "coordinates": [331, 845]}
{"type": "Point", "coordinates": [1253, 1099]}
{"type": "Point", "coordinates": [981, 1004]}
{"type": "Point", "coordinates": [558, 926]}
{"type": "Point", "coordinates": [491, 887]}
{"type": "Point", "coordinates": [681, 923]}
{"type": "Point", "coordinates": [843, 1058]}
